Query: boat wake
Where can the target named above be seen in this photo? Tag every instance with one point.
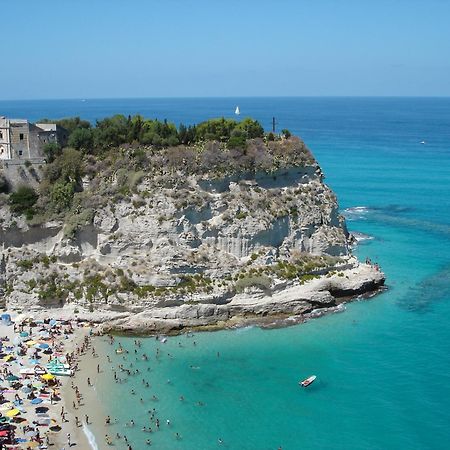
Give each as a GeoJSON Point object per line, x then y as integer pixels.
{"type": "Point", "coordinates": [90, 437]}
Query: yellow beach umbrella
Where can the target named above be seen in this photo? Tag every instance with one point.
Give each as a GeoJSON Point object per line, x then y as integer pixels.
{"type": "Point", "coordinates": [12, 412]}
{"type": "Point", "coordinates": [8, 358]}
{"type": "Point", "coordinates": [48, 376]}
{"type": "Point", "coordinates": [30, 343]}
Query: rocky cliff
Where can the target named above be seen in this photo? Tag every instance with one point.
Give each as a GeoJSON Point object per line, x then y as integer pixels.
{"type": "Point", "coordinates": [188, 249]}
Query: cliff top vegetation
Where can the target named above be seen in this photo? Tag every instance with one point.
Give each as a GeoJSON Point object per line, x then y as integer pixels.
{"type": "Point", "coordinates": [127, 149]}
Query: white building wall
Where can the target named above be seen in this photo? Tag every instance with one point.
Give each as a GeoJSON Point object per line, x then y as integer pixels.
{"type": "Point", "coordinates": [5, 138]}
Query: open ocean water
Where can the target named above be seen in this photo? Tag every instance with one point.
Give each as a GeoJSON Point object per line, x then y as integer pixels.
{"type": "Point", "coordinates": [383, 366]}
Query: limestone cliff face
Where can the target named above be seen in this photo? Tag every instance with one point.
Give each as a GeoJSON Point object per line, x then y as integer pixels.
{"type": "Point", "coordinates": [133, 252]}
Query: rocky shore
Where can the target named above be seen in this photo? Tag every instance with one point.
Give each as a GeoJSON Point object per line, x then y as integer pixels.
{"type": "Point", "coordinates": [284, 305]}
{"type": "Point", "coordinates": [186, 249]}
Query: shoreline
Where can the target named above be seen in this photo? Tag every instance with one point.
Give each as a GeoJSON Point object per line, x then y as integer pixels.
{"type": "Point", "coordinates": [90, 405]}
{"type": "Point", "coordinates": [285, 305]}
{"type": "Point", "coordinates": [42, 409]}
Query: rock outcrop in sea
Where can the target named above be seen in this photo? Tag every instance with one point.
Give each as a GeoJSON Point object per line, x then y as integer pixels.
{"type": "Point", "coordinates": [189, 249]}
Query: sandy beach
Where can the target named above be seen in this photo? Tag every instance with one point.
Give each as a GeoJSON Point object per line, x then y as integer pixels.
{"type": "Point", "coordinates": [37, 360]}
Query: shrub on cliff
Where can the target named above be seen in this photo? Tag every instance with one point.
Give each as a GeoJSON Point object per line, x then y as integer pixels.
{"type": "Point", "coordinates": [82, 139]}
{"type": "Point", "coordinates": [61, 195]}
{"type": "Point", "coordinates": [23, 200]}
{"type": "Point", "coordinates": [215, 130]}
{"type": "Point", "coordinates": [262, 282]}
{"type": "Point", "coordinates": [51, 151]}
{"type": "Point", "coordinates": [4, 185]}
{"type": "Point", "coordinates": [251, 128]}
{"type": "Point", "coordinates": [65, 168]}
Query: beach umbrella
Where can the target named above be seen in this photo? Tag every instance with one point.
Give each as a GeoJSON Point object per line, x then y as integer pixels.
{"type": "Point", "coordinates": [26, 390]}
{"type": "Point", "coordinates": [6, 406]}
{"type": "Point", "coordinates": [36, 401]}
{"type": "Point", "coordinates": [24, 334]}
{"type": "Point", "coordinates": [56, 428]}
{"type": "Point", "coordinates": [30, 343]}
{"type": "Point", "coordinates": [39, 370]}
{"type": "Point", "coordinates": [18, 419]}
{"type": "Point", "coordinates": [43, 345]}
{"type": "Point", "coordinates": [41, 409]}
{"type": "Point", "coordinates": [12, 412]}
{"type": "Point", "coordinates": [48, 377]}
{"type": "Point", "coordinates": [8, 358]}
{"type": "Point", "coordinates": [12, 378]}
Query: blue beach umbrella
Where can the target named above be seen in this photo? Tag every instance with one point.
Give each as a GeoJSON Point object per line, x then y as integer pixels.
{"type": "Point", "coordinates": [24, 334]}
{"type": "Point", "coordinates": [12, 378]}
{"type": "Point", "coordinates": [36, 401]}
{"type": "Point", "coordinates": [43, 346]}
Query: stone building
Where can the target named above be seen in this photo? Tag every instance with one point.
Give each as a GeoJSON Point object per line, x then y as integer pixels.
{"type": "Point", "coordinates": [21, 140]}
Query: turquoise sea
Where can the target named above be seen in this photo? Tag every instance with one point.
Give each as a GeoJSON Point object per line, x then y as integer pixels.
{"type": "Point", "coordinates": [383, 366]}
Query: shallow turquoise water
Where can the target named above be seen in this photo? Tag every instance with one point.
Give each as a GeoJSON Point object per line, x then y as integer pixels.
{"type": "Point", "coordinates": [383, 366]}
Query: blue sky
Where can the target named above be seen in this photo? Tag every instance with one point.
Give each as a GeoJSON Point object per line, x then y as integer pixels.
{"type": "Point", "coordinates": [187, 48]}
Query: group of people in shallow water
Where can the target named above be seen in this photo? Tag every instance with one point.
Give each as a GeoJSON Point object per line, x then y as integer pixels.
{"type": "Point", "coordinates": [122, 372]}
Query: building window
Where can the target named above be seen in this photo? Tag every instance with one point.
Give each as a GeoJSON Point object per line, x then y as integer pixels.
{"type": "Point", "coordinates": [20, 152]}
{"type": "Point", "coordinates": [1, 134]}
{"type": "Point", "coordinates": [21, 136]}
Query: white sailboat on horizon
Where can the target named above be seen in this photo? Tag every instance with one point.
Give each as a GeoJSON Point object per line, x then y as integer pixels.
{"type": "Point", "coordinates": [237, 112]}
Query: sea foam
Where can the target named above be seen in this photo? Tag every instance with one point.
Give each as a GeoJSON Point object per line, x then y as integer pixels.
{"type": "Point", "coordinates": [90, 437]}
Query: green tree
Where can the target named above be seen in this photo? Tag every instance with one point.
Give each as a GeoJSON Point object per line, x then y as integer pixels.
{"type": "Point", "coordinates": [69, 123]}
{"type": "Point", "coordinates": [215, 130]}
{"type": "Point", "coordinates": [111, 132]}
{"type": "Point", "coordinates": [82, 139]}
{"type": "Point", "coordinates": [51, 151]}
{"type": "Point", "coordinates": [238, 139]}
{"type": "Point", "coordinates": [23, 200]}
{"type": "Point", "coordinates": [61, 195]}
{"type": "Point", "coordinates": [286, 133]}
{"type": "Point", "coordinates": [66, 168]}
{"type": "Point", "coordinates": [252, 127]}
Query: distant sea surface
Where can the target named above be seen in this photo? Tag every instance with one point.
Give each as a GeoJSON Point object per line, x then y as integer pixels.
{"type": "Point", "coordinates": [383, 366]}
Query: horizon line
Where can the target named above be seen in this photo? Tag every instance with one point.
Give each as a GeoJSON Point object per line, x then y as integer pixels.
{"type": "Point", "coordinates": [228, 97]}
